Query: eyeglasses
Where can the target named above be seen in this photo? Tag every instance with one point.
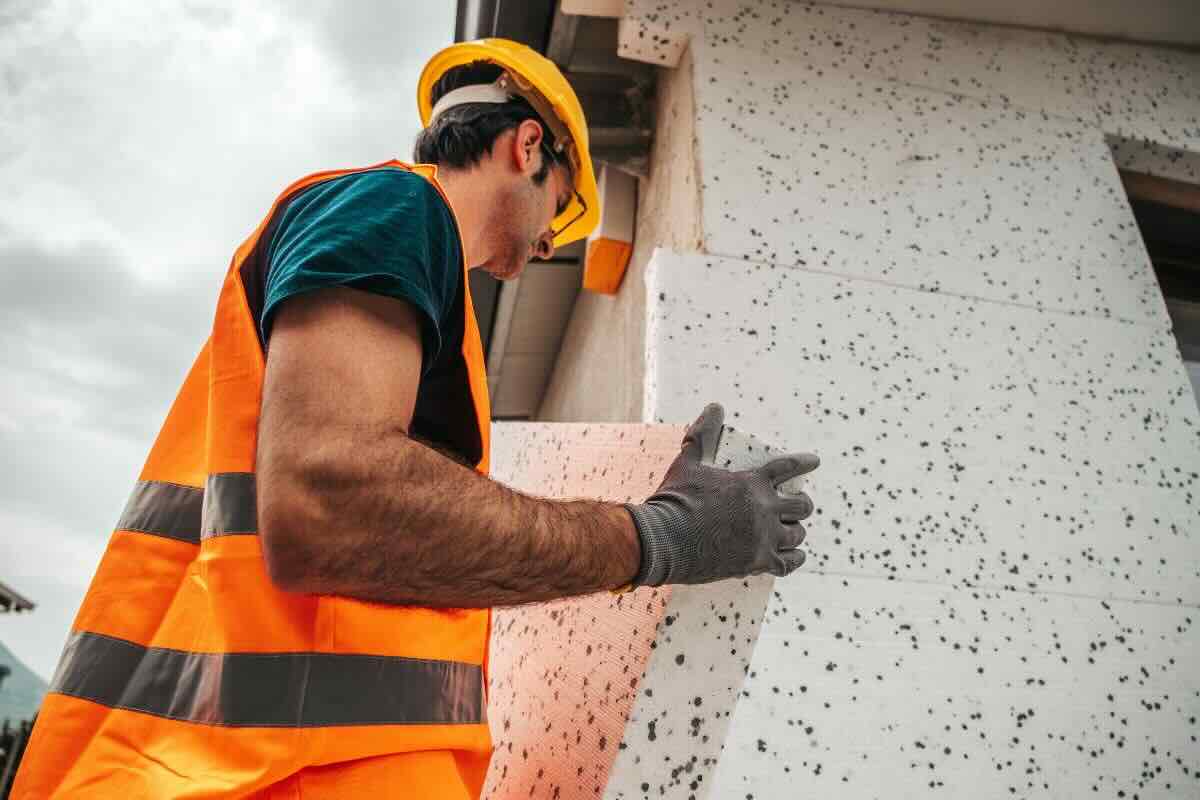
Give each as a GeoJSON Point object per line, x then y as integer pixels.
{"type": "Point", "coordinates": [556, 232]}
{"type": "Point", "coordinates": [565, 160]}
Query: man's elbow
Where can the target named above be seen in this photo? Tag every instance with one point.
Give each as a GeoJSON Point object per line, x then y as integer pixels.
{"type": "Point", "coordinates": [287, 567]}
{"type": "Point", "coordinates": [290, 547]}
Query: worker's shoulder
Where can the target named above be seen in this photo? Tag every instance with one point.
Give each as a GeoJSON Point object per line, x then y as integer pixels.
{"type": "Point", "coordinates": [382, 179]}
{"type": "Point", "coordinates": [382, 194]}
{"type": "Point", "coordinates": [393, 186]}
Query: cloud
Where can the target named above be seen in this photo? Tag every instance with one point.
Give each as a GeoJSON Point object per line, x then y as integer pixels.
{"type": "Point", "coordinates": [378, 45]}
{"type": "Point", "coordinates": [50, 563]}
{"type": "Point", "coordinates": [139, 144]}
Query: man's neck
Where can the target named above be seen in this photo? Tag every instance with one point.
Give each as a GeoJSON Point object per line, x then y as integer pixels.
{"type": "Point", "coordinates": [469, 193]}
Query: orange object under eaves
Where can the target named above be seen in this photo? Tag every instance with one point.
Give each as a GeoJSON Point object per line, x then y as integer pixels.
{"type": "Point", "coordinates": [610, 246]}
{"type": "Point", "coordinates": [605, 266]}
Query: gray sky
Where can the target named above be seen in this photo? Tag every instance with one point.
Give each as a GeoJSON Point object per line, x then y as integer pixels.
{"type": "Point", "coordinates": [139, 144]}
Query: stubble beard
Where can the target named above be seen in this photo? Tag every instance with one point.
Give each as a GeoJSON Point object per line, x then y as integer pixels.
{"type": "Point", "coordinates": [512, 251]}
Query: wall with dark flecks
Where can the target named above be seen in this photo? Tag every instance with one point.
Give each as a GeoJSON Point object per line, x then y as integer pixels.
{"type": "Point", "coordinates": [918, 260]}
{"type": "Point", "coordinates": [1005, 558]}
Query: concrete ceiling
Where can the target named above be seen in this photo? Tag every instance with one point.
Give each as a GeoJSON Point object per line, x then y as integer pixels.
{"type": "Point", "coordinates": [1169, 21]}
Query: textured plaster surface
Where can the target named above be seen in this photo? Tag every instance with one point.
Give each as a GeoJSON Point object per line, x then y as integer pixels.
{"type": "Point", "coordinates": [566, 676]}
{"type": "Point", "coordinates": [1133, 90]}
{"type": "Point", "coordinates": [655, 31]}
{"type": "Point", "coordinates": [865, 688]}
{"type": "Point", "coordinates": [916, 258]}
{"type": "Point", "coordinates": [970, 443]}
{"type": "Point", "coordinates": [893, 183]}
{"type": "Point", "coordinates": [1031, 69]}
{"type": "Point", "coordinates": [1144, 92]}
{"type": "Point", "coordinates": [1170, 21]}
{"type": "Point", "coordinates": [1006, 537]}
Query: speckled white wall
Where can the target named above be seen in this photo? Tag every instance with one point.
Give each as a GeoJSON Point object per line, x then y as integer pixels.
{"type": "Point", "coordinates": [918, 260]}
{"type": "Point", "coordinates": [1006, 556]}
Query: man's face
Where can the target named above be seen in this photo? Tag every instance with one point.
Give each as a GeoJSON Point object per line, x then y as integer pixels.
{"type": "Point", "coordinates": [558, 193]}
{"type": "Point", "coordinates": [528, 210]}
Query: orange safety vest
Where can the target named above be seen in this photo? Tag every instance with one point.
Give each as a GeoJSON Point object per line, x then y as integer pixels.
{"type": "Point", "coordinates": [188, 674]}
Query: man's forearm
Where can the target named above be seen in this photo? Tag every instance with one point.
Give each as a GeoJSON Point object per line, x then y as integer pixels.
{"type": "Point", "coordinates": [396, 522]}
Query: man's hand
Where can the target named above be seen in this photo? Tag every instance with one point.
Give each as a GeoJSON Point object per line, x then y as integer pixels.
{"type": "Point", "coordinates": [705, 523]}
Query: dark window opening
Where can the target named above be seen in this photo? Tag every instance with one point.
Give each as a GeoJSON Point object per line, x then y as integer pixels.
{"type": "Point", "coordinates": [1168, 216]}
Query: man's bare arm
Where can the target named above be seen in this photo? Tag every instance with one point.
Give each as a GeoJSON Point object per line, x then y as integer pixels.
{"type": "Point", "coordinates": [349, 504]}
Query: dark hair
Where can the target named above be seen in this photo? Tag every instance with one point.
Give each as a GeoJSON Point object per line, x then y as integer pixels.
{"type": "Point", "coordinates": [462, 135]}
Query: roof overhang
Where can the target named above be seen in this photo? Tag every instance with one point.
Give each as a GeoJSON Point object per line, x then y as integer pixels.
{"type": "Point", "coordinates": [10, 600]}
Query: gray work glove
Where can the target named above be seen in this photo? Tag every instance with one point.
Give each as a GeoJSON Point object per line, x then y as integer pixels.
{"type": "Point", "coordinates": [705, 523]}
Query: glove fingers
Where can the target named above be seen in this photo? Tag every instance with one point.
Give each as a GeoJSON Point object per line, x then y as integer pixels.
{"type": "Point", "coordinates": [794, 560]}
{"type": "Point", "coordinates": [795, 508]}
{"type": "Point", "coordinates": [787, 561]}
{"type": "Point", "coordinates": [702, 437]}
{"type": "Point", "coordinates": [791, 536]}
{"type": "Point", "coordinates": [788, 467]}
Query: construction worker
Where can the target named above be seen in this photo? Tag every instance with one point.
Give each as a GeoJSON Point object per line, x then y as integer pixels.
{"type": "Point", "coordinates": [295, 602]}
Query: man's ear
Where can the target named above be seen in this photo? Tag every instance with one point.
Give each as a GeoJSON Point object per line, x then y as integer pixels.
{"type": "Point", "coordinates": [527, 146]}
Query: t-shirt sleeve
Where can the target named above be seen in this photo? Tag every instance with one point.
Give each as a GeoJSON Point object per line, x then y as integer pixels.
{"type": "Point", "coordinates": [386, 231]}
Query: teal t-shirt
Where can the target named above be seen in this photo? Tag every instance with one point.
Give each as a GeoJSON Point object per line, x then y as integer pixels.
{"type": "Point", "coordinates": [385, 230]}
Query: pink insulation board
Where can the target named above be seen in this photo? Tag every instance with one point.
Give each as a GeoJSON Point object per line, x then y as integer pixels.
{"type": "Point", "coordinates": [610, 696]}
{"type": "Point", "coordinates": [564, 674]}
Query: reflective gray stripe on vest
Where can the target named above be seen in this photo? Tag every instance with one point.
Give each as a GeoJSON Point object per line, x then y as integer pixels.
{"type": "Point", "coordinates": [230, 505]}
{"type": "Point", "coordinates": [164, 509]}
{"type": "Point", "coordinates": [227, 506]}
{"type": "Point", "coordinates": [275, 690]}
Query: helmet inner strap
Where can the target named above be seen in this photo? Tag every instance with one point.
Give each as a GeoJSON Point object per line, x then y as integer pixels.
{"type": "Point", "coordinates": [501, 91]}
{"type": "Point", "coordinates": [479, 93]}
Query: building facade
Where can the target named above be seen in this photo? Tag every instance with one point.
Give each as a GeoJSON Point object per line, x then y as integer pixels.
{"type": "Point", "coordinates": [905, 243]}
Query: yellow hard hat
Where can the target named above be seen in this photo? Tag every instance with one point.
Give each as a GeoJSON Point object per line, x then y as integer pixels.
{"type": "Point", "coordinates": [531, 75]}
